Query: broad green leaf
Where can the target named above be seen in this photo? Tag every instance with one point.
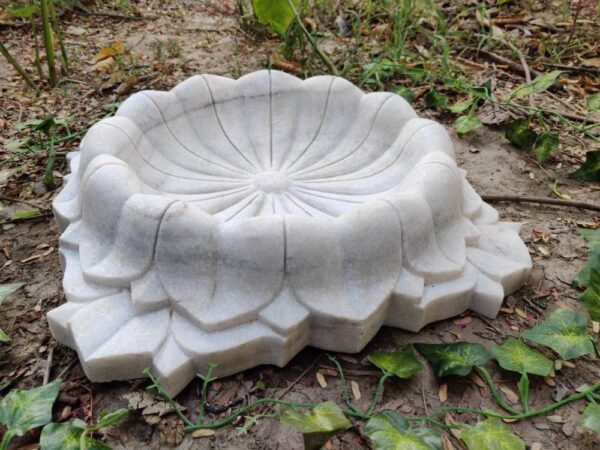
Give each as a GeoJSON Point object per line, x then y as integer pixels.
{"type": "Point", "coordinates": [545, 144]}
{"type": "Point", "coordinates": [593, 102]}
{"type": "Point", "coordinates": [458, 358]}
{"type": "Point", "coordinates": [319, 425]}
{"type": "Point", "coordinates": [276, 14]}
{"type": "Point", "coordinates": [22, 411]}
{"type": "Point", "coordinates": [401, 363]}
{"type": "Point", "coordinates": [388, 430]}
{"type": "Point", "coordinates": [25, 214]}
{"type": "Point", "coordinates": [67, 436]}
{"type": "Point", "coordinates": [539, 84]}
{"type": "Point", "coordinates": [466, 124]}
{"type": "Point", "coordinates": [491, 434]}
{"type": "Point", "coordinates": [591, 417]}
{"type": "Point", "coordinates": [564, 332]}
{"type": "Point", "coordinates": [591, 297]}
{"type": "Point", "coordinates": [5, 291]}
{"type": "Point", "coordinates": [459, 107]}
{"type": "Point", "coordinates": [406, 93]}
{"type": "Point", "coordinates": [515, 356]}
{"type": "Point", "coordinates": [435, 99]}
{"type": "Point", "coordinates": [593, 238]}
{"type": "Point", "coordinates": [590, 170]}
{"type": "Point", "coordinates": [520, 135]}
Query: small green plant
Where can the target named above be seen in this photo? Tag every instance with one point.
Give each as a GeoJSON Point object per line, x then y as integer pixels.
{"type": "Point", "coordinates": [388, 429]}
{"type": "Point", "coordinates": [50, 29]}
{"type": "Point", "coordinates": [24, 410]}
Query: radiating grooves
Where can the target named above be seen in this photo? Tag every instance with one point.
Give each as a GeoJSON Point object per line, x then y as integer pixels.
{"type": "Point", "coordinates": [168, 174]}
{"type": "Point", "coordinates": [221, 124]}
{"type": "Point", "coordinates": [174, 136]}
{"type": "Point", "coordinates": [312, 168]}
{"type": "Point", "coordinates": [290, 165]}
{"type": "Point", "coordinates": [371, 174]}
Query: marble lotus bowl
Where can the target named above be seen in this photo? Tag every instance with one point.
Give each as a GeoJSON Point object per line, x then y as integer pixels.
{"type": "Point", "coordinates": [237, 221]}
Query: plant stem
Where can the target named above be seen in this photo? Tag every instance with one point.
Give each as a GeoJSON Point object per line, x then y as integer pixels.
{"type": "Point", "coordinates": [520, 416]}
{"type": "Point", "coordinates": [64, 59]}
{"type": "Point", "coordinates": [48, 173]}
{"type": "Point", "coordinates": [312, 41]}
{"type": "Point", "coordinates": [36, 48]}
{"type": "Point", "coordinates": [345, 393]}
{"type": "Point", "coordinates": [378, 393]}
{"type": "Point", "coordinates": [206, 380]}
{"type": "Point", "coordinates": [248, 407]}
{"type": "Point", "coordinates": [48, 41]}
{"type": "Point", "coordinates": [13, 62]}
{"type": "Point", "coordinates": [156, 385]}
{"type": "Point", "coordinates": [6, 440]}
{"type": "Point", "coordinates": [495, 393]}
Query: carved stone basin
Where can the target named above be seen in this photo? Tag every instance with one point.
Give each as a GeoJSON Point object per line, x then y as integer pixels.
{"type": "Point", "coordinates": [237, 221]}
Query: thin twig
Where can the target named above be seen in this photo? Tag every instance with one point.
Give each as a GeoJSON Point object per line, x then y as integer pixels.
{"type": "Point", "coordinates": [579, 3]}
{"type": "Point", "coordinates": [568, 68]}
{"type": "Point", "coordinates": [87, 12]}
{"type": "Point", "coordinates": [511, 64]}
{"type": "Point", "coordinates": [540, 200]}
{"type": "Point", "coordinates": [312, 41]}
{"type": "Point", "coordinates": [24, 202]}
{"type": "Point", "coordinates": [48, 365]}
{"type": "Point", "coordinates": [13, 62]}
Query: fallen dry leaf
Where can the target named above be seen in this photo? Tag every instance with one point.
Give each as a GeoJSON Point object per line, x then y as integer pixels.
{"type": "Point", "coordinates": [321, 380]}
{"type": "Point", "coordinates": [510, 394]}
{"type": "Point", "coordinates": [203, 433]}
{"type": "Point", "coordinates": [114, 49]}
{"type": "Point", "coordinates": [443, 392]}
{"type": "Point", "coordinates": [355, 390]}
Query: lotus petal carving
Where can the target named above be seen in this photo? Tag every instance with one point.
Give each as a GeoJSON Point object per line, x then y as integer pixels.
{"type": "Point", "coordinates": [237, 221]}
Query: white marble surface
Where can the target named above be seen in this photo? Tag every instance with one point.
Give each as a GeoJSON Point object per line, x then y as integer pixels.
{"type": "Point", "coordinates": [237, 221]}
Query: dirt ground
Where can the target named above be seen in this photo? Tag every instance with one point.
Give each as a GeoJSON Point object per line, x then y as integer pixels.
{"type": "Point", "coordinates": [212, 41]}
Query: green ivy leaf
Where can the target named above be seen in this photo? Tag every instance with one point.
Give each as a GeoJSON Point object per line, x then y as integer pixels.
{"type": "Point", "coordinates": [388, 430]}
{"type": "Point", "coordinates": [5, 291]}
{"type": "Point", "coordinates": [435, 99]}
{"type": "Point", "coordinates": [466, 124]}
{"type": "Point", "coordinates": [593, 103]}
{"type": "Point", "coordinates": [319, 425]}
{"type": "Point", "coordinates": [590, 170]}
{"type": "Point", "coordinates": [515, 356]}
{"type": "Point", "coordinates": [520, 135]}
{"type": "Point", "coordinates": [458, 358]}
{"type": "Point", "coordinates": [402, 363]}
{"type": "Point", "coordinates": [276, 14]}
{"type": "Point", "coordinates": [591, 297]}
{"type": "Point", "coordinates": [565, 332]}
{"type": "Point", "coordinates": [545, 144]}
{"type": "Point", "coordinates": [593, 238]}
{"type": "Point", "coordinates": [539, 84]}
{"type": "Point", "coordinates": [491, 434]}
{"type": "Point", "coordinates": [22, 411]}
{"type": "Point", "coordinates": [591, 417]}
{"type": "Point", "coordinates": [67, 436]}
